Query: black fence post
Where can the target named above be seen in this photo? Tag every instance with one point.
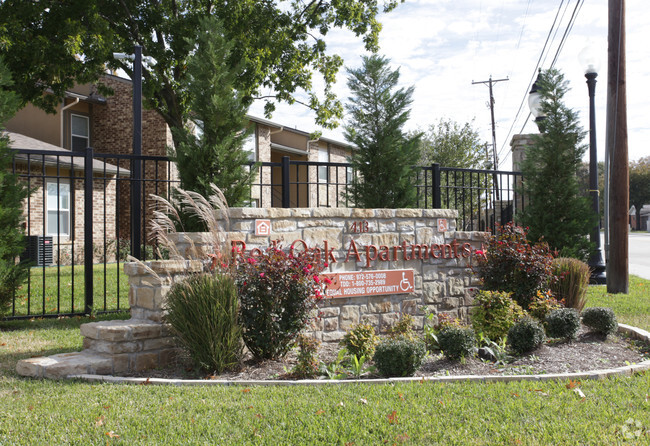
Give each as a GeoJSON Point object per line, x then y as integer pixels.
{"type": "Point", "coordinates": [435, 183]}
{"type": "Point", "coordinates": [88, 230]}
{"type": "Point", "coordinates": [286, 191]}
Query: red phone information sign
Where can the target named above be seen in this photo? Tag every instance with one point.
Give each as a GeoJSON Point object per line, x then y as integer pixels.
{"type": "Point", "coordinates": [370, 283]}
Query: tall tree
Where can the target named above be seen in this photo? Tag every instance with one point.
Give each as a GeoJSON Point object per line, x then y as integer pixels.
{"type": "Point", "coordinates": [555, 208]}
{"type": "Point", "coordinates": [52, 44]}
{"type": "Point", "coordinates": [452, 145]}
{"type": "Point", "coordinates": [640, 186]}
{"type": "Point", "coordinates": [385, 155]}
{"type": "Point", "coordinates": [12, 193]}
{"type": "Point", "coordinates": [210, 151]}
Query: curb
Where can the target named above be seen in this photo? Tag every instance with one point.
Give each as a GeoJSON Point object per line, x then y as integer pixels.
{"type": "Point", "coordinates": [630, 370]}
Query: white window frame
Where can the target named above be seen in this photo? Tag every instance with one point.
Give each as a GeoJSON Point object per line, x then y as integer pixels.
{"type": "Point", "coordinates": [73, 135]}
{"type": "Point", "coordinates": [323, 171]}
{"type": "Point", "coordinates": [59, 211]}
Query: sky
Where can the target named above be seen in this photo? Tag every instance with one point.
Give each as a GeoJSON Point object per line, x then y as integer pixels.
{"type": "Point", "coordinates": [442, 46]}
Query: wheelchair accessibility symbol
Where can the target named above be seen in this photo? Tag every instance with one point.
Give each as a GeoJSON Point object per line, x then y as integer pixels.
{"type": "Point", "coordinates": [405, 284]}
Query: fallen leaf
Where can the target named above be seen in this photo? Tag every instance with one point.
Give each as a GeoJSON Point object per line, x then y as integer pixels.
{"type": "Point", "coordinates": [30, 407]}
{"type": "Point", "coordinates": [516, 395]}
{"type": "Point", "coordinates": [112, 434]}
{"type": "Point", "coordinates": [392, 417]}
{"type": "Point", "coordinates": [3, 344]}
{"type": "Point", "coordinates": [106, 407]}
{"type": "Point", "coordinates": [402, 438]}
{"type": "Point", "coordinates": [572, 384]}
{"type": "Point", "coordinates": [99, 421]}
{"type": "Point", "coordinates": [249, 407]}
{"type": "Point", "coordinates": [401, 396]}
{"type": "Point", "coordinates": [259, 416]}
{"type": "Point", "coordinates": [246, 390]}
{"type": "Point", "coordinates": [146, 382]}
{"type": "Point", "coordinates": [363, 401]}
{"type": "Point", "coordinates": [320, 412]}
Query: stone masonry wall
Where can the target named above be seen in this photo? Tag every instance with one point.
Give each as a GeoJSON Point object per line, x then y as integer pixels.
{"type": "Point", "coordinates": [442, 285]}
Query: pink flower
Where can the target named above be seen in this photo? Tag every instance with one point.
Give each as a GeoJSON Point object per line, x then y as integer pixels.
{"type": "Point", "coordinates": [262, 275]}
{"type": "Point", "coordinates": [316, 279]}
{"type": "Point", "coordinates": [326, 265]}
{"type": "Point", "coordinates": [327, 280]}
{"type": "Point", "coordinates": [251, 260]}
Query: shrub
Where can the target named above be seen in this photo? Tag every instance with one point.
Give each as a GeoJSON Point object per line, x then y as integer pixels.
{"type": "Point", "coordinates": [277, 291]}
{"type": "Point", "coordinates": [495, 313]}
{"type": "Point", "coordinates": [360, 341]}
{"type": "Point", "coordinates": [456, 342]}
{"type": "Point", "coordinates": [202, 312]}
{"type": "Point", "coordinates": [563, 323]}
{"type": "Point", "coordinates": [403, 327]}
{"type": "Point", "coordinates": [600, 320]}
{"type": "Point", "coordinates": [308, 365]}
{"type": "Point", "coordinates": [512, 264]}
{"type": "Point", "coordinates": [572, 280]}
{"type": "Point", "coordinates": [542, 304]}
{"type": "Point", "coordinates": [525, 335]}
{"type": "Point", "coordinates": [399, 356]}
{"type": "Point", "coordinates": [431, 331]}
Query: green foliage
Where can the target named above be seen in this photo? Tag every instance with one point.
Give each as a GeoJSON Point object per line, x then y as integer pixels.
{"type": "Point", "coordinates": [361, 340]}
{"type": "Point", "coordinates": [572, 281]}
{"type": "Point", "coordinates": [555, 207]}
{"type": "Point", "coordinates": [203, 312]}
{"type": "Point", "coordinates": [308, 365]}
{"type": "Point", "coordinates": [495, 313]}
{"type": "Point", "coordinates": [452, 145]}
{"type": "Point", "coordinates": [542, 304]}
{"type": "Point", "coordinates": [432, 329]}
{"type": "Point", "coordinates": [12, 193]}
{"type": "Point", "coordinates": [277, 292]}
{"type": "Point", "coordinates": [526, 335]}
{"type": "Point", "coordinates": [563, 323]}
{"type": "Point", "coordinates": [457, 342]}
{"type": "Point", "coordinates": [512, 264]}
{"type": "Point", "coordinates": [600, 320]}
{"type": "Point", "coordinates": [336, 368]}
{"type": "Point", "coordinates": [639, 186]}
{"type": "Point", "coordinates": [385, 155]}
{"type": "Point", "coordinates": [52, 43]}
{"type": "Point", "coordinates": [403, 327]}
{"type": "Point", "coordinates": [211, 150]}
{"type": "Point", "coordinates": [399, 356]}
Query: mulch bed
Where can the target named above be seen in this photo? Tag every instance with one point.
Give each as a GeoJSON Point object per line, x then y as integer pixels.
{"type": "Point", "coordinates": [587, 352]}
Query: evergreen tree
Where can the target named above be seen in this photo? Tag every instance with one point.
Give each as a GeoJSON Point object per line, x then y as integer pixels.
{"type": "Point", "coordinates": [385, 155]}
{"type": "Point", "coordinates": [12, 193]}
{"type": "Point", "coordinates": [212, 151]}
{"type": "Point", "coordinates": [555, 208]}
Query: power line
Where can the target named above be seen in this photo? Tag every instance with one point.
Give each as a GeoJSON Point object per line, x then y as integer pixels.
{"type": "Point", "coordinates": [489, 83]}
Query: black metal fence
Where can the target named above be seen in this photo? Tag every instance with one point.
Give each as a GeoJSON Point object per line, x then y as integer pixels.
{"type": "Point", "coordinates": [79, 224]}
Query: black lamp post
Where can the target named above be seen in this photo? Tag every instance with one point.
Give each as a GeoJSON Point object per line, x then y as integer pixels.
{"type": "Point", "coordinates": [596, 263]}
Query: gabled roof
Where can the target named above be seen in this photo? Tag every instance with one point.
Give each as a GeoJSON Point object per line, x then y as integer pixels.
{"type": "Point", "coordinates": [22, 142]}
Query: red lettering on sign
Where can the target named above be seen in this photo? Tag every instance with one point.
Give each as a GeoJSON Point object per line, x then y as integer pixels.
{"type": "Point", "coordinates": [353, 247]}
{"type": "Point", "coordinates": [467, 250]}
{"type": "Point", "coordinates": [435, 248]}
{"type": "Point", "coordinates": [374, 256]}
{"type": "Point", "coordinates": [384, 253]}
{"type": "Point", "coordinates": [329, 254]}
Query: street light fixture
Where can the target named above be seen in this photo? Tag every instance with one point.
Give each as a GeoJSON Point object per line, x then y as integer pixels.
{"type": "Point", "coordinates": [589, 60]}
{"type": "Point", "coordinates": [535, 103]}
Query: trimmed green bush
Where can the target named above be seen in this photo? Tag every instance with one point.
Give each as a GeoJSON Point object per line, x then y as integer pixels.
{"type": "Point", "coordinates": [563, 323]}
{"type": "Point", "coordinates": [399, 356]}
{"type": "Point", "coordinates": [572, 280]}
{"type": "Point", "coordinates": [203, 312]}
{"type": "Point", "coordinates": [600, 320]}
{"type": "Point", "coordinates": [525, 335]}
{"type": "Point", "coordinates": [456, 342]}
{"type": "Point", "coordinates": [360, 341]}
{"type": "Point", "coordinates": [495, 313]}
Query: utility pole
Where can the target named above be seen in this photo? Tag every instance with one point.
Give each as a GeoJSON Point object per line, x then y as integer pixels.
{"type": "Point", "coordinates": [495, 156]}
{"type": "Point", "coordinates": [617, 154]}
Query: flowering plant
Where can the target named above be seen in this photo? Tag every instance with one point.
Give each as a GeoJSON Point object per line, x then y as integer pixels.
{"type": "Point", "coordinates": [512, 264]}
{"type": "Point", "coordinates": [277, 292]}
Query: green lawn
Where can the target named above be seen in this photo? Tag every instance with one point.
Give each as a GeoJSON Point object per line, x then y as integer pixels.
{"type": "Point", "coordinates": [64, 291]}
{"type": "Point", "coordinates": [530, 413]}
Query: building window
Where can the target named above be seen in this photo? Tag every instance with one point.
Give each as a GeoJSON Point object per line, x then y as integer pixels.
{"type": "Point", "coordinates": [323, 171]}
{"type": "Point", "coordinates": [349, 174]}
{"type": "Point", "coordinates": [58, 208]}
{"type": "Point", "coordinates": [79, 132]}
{"type": "Point", "coordinates": [250, 145]}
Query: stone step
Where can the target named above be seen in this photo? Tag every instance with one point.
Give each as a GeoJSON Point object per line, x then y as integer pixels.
{"type": "Point", "coordinates": [124, 330]}
{"type": "Point", "coordinates": [64, 364]}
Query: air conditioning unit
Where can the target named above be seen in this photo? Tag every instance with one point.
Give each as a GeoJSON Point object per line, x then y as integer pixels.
{"type": "Point", "coordinates": [39, 250]}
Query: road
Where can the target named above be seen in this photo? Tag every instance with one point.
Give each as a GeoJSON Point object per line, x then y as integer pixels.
{"type": "Point", "coordinates": [639, 254]}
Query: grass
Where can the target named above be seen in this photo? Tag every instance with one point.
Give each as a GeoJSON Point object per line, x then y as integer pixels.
{"type": "Point", "coordinates": [64, 291]}
{"type": "Point", "coordinates": [529, 413]}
